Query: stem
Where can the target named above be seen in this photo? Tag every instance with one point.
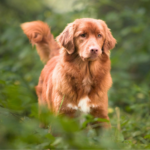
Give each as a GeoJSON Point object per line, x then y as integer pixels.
{"type": "Point", "coordinates": [61, 104]}
{"type": "Point", "coordinates": [118, 118]}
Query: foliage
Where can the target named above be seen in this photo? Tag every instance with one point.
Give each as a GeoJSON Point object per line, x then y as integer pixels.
{"type": "Point", "coordinates": [20, 68]}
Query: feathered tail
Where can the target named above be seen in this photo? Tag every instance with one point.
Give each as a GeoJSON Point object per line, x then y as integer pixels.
{"type": "Point", "coordinates": [40, 35]}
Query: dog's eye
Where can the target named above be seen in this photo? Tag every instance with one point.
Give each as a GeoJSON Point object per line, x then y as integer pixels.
{"type": "Point", "coordinates": [83, 35]}
{"type": "Point", "coordinates": [99, 35]}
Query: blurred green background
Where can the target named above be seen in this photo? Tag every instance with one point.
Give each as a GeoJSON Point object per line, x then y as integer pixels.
{"type": "Point", "coordinates": [20, 67]}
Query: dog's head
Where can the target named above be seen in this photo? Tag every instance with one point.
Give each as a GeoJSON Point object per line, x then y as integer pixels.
{"type": "Point", "coordinates": [90, 38]}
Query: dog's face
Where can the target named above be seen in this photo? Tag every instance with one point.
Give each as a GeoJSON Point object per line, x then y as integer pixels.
{"type": "Point", "coordinates": [87, 37]}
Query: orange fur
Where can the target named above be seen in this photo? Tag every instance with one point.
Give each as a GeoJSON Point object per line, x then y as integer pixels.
{"type": "Point", "coordinates": [39, 34]}
{"type": "Point", "coordinates": [81, 72]}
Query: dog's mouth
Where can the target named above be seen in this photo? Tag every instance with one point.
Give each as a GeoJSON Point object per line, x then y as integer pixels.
{"type": "Point", "coordinates": [90, 58]}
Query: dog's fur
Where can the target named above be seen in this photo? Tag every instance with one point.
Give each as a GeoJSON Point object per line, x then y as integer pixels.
{"type": "Point", "coordinates": [80, 73]}
{"type": "Point", "coordinates": [39, 34]}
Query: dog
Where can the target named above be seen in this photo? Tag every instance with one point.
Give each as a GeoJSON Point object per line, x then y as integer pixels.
{"type": "Point", "coordinates": [77, 74]}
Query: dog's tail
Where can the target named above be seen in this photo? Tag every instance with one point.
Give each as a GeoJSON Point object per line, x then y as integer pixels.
{"type": "Point", "coordinates": [40, 35]}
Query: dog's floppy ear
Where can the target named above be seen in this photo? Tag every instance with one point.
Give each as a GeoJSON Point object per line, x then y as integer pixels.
{"type": "Point", "coordinates": [66, 38]}
{"type": "Point", "coordinates": [110, 41]}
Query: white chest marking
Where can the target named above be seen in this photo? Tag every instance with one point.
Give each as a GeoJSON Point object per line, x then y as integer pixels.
{"type": "Point", "coordinates": [72, 106]}
{"type": "Point", "coordinates": [84, 104]}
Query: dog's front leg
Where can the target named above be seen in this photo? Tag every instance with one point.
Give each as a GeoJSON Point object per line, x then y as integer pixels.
{"type": "Point", "coordinates": [100, 110]}
{"type": "Point", "coordinates": [101, 113]}
{"type": "Point", "coordinates": [62, 105]}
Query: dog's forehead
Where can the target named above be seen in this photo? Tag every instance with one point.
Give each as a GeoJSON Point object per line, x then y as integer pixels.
{"type": "Point", "coordinates": [89, 25]}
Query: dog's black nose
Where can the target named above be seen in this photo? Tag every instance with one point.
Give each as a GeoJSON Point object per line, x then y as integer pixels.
{"type": "Point", "coordinates": [94, 50]}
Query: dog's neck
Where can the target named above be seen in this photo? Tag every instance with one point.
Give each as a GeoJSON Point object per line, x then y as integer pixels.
{"type": "Point", "coordinates": [88, 69]}
{"type": "Point", "coordinates": [87, 73]}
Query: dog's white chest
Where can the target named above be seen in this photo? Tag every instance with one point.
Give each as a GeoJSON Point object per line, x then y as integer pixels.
{"type": "Point", "coordinates": [83, 105]}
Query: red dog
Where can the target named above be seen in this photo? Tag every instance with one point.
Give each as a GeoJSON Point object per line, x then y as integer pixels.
{"type": "Point", "coordinates": [79, 72]}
